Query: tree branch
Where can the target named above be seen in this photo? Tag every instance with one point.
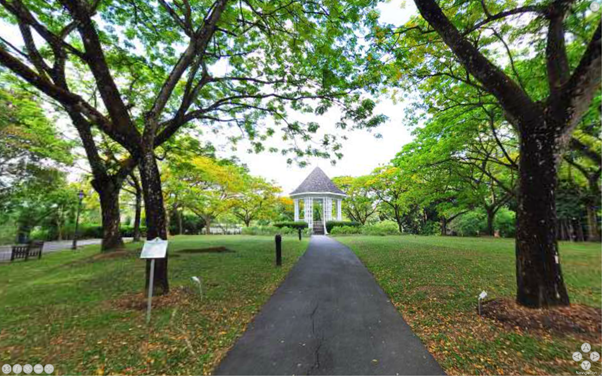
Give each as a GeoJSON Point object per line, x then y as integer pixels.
{"type": "Point", "coordinates": [511, 97]}
{"type": "Point", "coordinates": [580, 89]}
{"type": "Point", "coordinates": [107, 88]}
{"type": "Point", "coordinates": [55, 92]}
{"type": "Point", "coordinates": [584, 150]}
{"type": "Point", "coordinates": [499, 16]}
{"type": "Point", "coordinates": [198, 45]}
{"type": "Point", "coordinates": [556, 58]}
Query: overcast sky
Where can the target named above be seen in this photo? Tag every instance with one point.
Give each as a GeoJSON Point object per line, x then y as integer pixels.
{"type": "Point", "coordinates": [362, 151]}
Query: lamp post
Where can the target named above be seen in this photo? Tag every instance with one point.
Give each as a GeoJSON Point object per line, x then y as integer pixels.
{"type": "Point", "coordinates": [80, 195]}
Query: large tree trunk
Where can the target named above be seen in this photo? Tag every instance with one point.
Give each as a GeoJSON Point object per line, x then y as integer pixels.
{"type": "Point", "coordinates": [443, 222]}
{"type": "Point", "coordinates": [561, 234]}
{"type": "Point", "coordinates": [538, 272]}
{"type": "Point", "coordinates": [207, 225]}
{"type": "Point", "coordinates": [490, 219]}
{"type": "Point", "coordinates": [155, 218]}
{"type": "Point", "coordinates": [180, 224]}
{"type": "Point", "coordinates": [398, 220]}
{"type": "Point", "coordinates": [59, 228]}
{"type": "Point", "coordinates": [108, 191]}
{"type": "Point", "coordinates": [138, 216]}
{"type": "Point", "coordinates": [579, 236]}
{"type": "Point", "coordinates": [593, 233]}
{"type": "Point", "coordinates": [168, 215]}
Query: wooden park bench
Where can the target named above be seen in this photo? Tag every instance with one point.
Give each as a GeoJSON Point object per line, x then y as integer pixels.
{"type": "Point", "coordinates": [25, 251]}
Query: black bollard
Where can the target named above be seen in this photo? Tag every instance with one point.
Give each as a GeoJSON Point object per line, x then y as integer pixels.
{"type": "Point", "coordinates": [299, 233]}
{"type": "Point", "coordinates": [278, 250]}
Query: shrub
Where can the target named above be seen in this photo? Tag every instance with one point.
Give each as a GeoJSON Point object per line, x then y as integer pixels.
{"type": "Point", "coordinates": [332, 224]}
{"type": "Point", "coordinates": [473, 223]}
{"type": "Point", "coordinates": [38, 234]}
{"type": "Point", "coordinates": [90, 231]}
{"type": "Point", "coordinates": [505, 223]}
{"type": "Point", "coordinates": [85, 231]}
{"type": "Point", "coordinates": [8, 230]}
{"type": "Point", "coordinates": [381, 228]}
{"type": "Point", "coordinates": [128, 231]}
{"type": "Point", "coordinates": [346, 230]}
{"type": "Point", "coordinates": [290, 224]}
{"type": "Point", "coordinates": [272, 230]}
{"type": "Point", "coordinates": [431, 228]}
{"type": "Point", "coordinates": [191, 224]}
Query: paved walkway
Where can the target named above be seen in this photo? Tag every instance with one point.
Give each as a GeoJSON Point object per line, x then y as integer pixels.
{"type": "Point", "coordinates": [329, 317]}
{"type": "Point", "coordinates": [54, 246]}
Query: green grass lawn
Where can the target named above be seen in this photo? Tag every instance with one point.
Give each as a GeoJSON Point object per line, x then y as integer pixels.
{"type": "Point", "coordinates": [85, 314]}
{"type": "Point", "coordinates": [434, 282]}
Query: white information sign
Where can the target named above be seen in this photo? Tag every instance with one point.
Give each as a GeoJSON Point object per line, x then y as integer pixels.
{"type": "Point", "coordinates": [156, 248]}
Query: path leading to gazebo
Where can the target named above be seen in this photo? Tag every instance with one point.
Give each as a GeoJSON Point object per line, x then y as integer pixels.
{"type": "Point", "coordinates": [329, 317]}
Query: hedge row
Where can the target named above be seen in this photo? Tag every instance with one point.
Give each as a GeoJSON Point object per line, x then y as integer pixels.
{"type": "Point", "coordinates": [290, 224]}
{"type": "Point", "coordinates": [272, 230]}
{"type": "Point", "coordinates": [380, 228]}
{"type": "Point", "coordinates": [96, 231]}
{"type": "Point", "coordinates": [332, 224]}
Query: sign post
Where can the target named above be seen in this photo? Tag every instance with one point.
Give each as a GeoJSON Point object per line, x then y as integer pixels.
{"type": "Point", "coordinates": [278, 250]}
{"type": "Point", "coordinates": [153, 249]}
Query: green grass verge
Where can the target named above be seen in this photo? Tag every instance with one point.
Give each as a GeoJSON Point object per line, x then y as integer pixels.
{"type": "Point", "coordinates": [434, 282]}
{"type": "Point", "coordinates": [74, 309]}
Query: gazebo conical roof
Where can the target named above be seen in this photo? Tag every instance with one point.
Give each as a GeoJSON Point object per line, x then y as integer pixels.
{"type": "Point", "coordinates": [317, 183]}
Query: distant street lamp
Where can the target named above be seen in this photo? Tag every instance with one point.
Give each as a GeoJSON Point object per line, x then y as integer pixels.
{"type": "Point", "coordinates": [80, 195]}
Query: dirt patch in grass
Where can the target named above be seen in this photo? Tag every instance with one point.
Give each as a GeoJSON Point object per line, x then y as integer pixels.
{"type": "Point", "coordinates": [113, 255]}
{"type": "Point", "coordinates": [207, 250]}
{"type": "Point", "coordinates": [580, 320]}
{"type": "Point", "coordinates": [435, 290]}
{"type": "Point", "coordinates": [137, 302]}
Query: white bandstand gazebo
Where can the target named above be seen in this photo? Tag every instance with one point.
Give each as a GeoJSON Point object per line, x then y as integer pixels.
{"type": "Point", "coordinates": [318, 187]}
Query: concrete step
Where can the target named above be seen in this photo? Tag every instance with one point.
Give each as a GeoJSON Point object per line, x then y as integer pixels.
{"type": "Point", "coordinates": [318, 228]}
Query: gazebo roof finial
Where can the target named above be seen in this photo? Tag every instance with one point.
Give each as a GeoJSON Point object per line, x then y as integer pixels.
{"type": "Point", "coordinates": [317, 182]}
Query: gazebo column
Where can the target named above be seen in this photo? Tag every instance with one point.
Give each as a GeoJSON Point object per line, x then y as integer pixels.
{"type": "Point", "coordinates": [327, 209]}
{"type": "Point", "coordinates": [296, 201]}
{"type": "Point", "coordinates": [327, 203]}
{"type": "Point", "coordinates": [309, 212]}
{"type": "Point", "coordinates": [339, 209]}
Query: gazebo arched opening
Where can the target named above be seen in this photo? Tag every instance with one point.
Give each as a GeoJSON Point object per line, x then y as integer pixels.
{"type": "Point", "coordinates": [318, 189]}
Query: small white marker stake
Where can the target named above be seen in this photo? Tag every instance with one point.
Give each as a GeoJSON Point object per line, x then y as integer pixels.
{"type": "Point", "coordinates": [197, 280]}
{"type": "Point", "coordinates": [482, 296]}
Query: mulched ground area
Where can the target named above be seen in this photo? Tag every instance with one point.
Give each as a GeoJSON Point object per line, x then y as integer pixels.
{"type": "Point", "coordinates": [579, 320]}
{"type": "Point", "coordinates": [138, 302]}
